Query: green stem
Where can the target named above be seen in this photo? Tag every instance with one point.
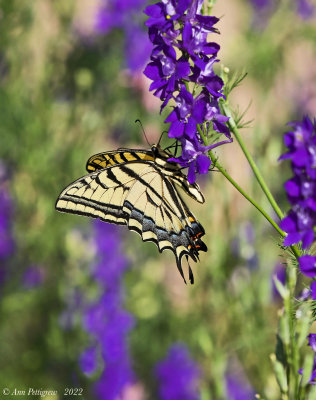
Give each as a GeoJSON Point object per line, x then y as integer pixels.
{"type": "Point", "coordinates": [240, 190]}
{"type": "Point", "coordinates": [233, 127]}
{"type": "Point", "coordinates": [291, 278]}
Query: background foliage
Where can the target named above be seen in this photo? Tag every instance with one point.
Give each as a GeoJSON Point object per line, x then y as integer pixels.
{"type": "Point", "coordinates": [65, 94]}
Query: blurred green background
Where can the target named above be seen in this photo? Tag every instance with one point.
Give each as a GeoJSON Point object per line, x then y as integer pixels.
{"type": "Point", "coordinates": [65, 94]}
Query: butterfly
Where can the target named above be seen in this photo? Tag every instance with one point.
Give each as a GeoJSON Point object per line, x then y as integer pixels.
{"type": "Point", "coordinates": [140, 189]}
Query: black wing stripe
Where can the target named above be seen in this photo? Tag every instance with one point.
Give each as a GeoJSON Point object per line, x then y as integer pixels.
{"type": "Point", "coordinates": [106, 209]}
{"type": "Point", "coordinates": [174, 197]}
{"type": "Point", "coordinates": [87, 214]}
{"type": "Point", "coordinates": [150, 200]}
{"type": "Point", "coordinates": [136, 156]}
{"type": "Point", "coordinates": [132, 174]}
{"type": "Point", "coordinates": [123, 157]}
{"type": "Point", "coordinates": [112, 176]}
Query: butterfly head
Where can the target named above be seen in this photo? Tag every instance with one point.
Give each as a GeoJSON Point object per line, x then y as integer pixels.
{"type": "Point", "coordinates": [161, 153]}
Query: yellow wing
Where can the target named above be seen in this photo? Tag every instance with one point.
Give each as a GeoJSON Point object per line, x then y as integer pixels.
{"type": "Point", "coordinates": [138, 195]}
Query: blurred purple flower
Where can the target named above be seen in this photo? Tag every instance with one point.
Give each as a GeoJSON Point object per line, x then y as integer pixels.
{"type": "Point", "coordinates": [260, 4]}
{"type": "Point", "coordinates": [126, 15]}
{"type": "Point", "coordinates": [305, 8]}
{"type": "Point", "coordinates": [88, 360]}
{"type": "Point", "coordinates": [6, 214]}
{"type": "Point", "coordinates": [304, 295]}
{"type": "Point", "coordinates": [33, 277]}
{"type": "Point", "coordinates": [264, 9]}
{"type": "Point", "coordinates": [105, 320]}
{"type": "Point", "coordinates": [243, 246]}
{"type": "Point", "coordinates": [73, 301]}
{"type": "Point", "coordinates": [301, 188]}
{"type": "Point", "coordinates": [238, 387]}
{"type": "Point", "coordinates": [183, 54]}
{"type": "Point", "coordinates": [280, 273]}
{"type": "Point", "coordinates": [178, 375]}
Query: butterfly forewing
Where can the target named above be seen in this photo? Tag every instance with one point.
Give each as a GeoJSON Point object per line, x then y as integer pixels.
{"type": "Point", "coordinates": [123, 156]}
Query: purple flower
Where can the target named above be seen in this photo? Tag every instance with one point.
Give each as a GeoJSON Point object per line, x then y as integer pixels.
{"type": "Point", "coordinates": [6, 213]}
{"type": "Point", "coordinates": [73, 301]}
{"type": "Point", "coordinates": [178, 375]}
{"type": "Point", "coordinates": [304, 295]}
{"type": "Point", "coordinates": [187, 115]}
{"type": "Point", "coordinates": [301, 188]}
{"type": "Point", "coordinates": [313, 290]}
{"type": "Point", "coordinates": [194, 36]}
{"type": "Point", "coordinates": [260, 4]}
{"type": "Point", "coordinates": [105, 319]}
{"type": "Point", "coordinates": [33, 277]}
{"type": "Point", "coordinates": [280, 274]}
{"type": "Point", "coordinates": [137, 47]}
{"type": "Point", "coordinates": [88, 360]}
{"type": "Point", "coordinates": [237, 385]}
{"type": "Point", "coordinates": [313, 375]}
{"type": "Point", "coordinates": [307, 265]}
{"type": "Point", "coordinates": [114, 13]}
{"type": "Point", "coordinates": [305, 8]}
{"type": "Point", "coordinates": [312, 342]}
{"type": "Point", "coordinates": [182, 55]}
{"type": "Point", "coordinates": [193, 156]}
{"type": "Point", "coordinates": [166, 71]}
{"type": "Point", "coordinates": [125, 15]}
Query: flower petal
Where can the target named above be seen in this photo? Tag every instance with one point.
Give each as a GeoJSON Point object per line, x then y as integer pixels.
{"type": "Point", "coordinates": [307, 265]}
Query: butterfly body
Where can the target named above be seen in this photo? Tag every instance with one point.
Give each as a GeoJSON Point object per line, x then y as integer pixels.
{"type": "Point", "coordinates": [139, 188]}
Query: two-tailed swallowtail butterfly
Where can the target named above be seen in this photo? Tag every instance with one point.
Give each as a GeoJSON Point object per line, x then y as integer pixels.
{"type": "Point", "coordinates": [139, 188]}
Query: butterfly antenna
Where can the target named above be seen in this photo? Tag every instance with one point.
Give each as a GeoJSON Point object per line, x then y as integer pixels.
{"type": "Point", "coordinates": [140, 123]}
{"type": "Point", "coordinates": [161, 137]}
{"type": "Point", "coordinates": [171, 146]}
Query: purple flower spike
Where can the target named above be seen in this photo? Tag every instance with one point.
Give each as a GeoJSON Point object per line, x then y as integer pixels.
{"type": "Point", "coordinates": [105, 319]}
{"type": "Point", "coordinates": [183, 57]}
{"type": "Point", "coordinates": [301, 188]}
{"type": "Point", "coordinates": [177, 375]}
